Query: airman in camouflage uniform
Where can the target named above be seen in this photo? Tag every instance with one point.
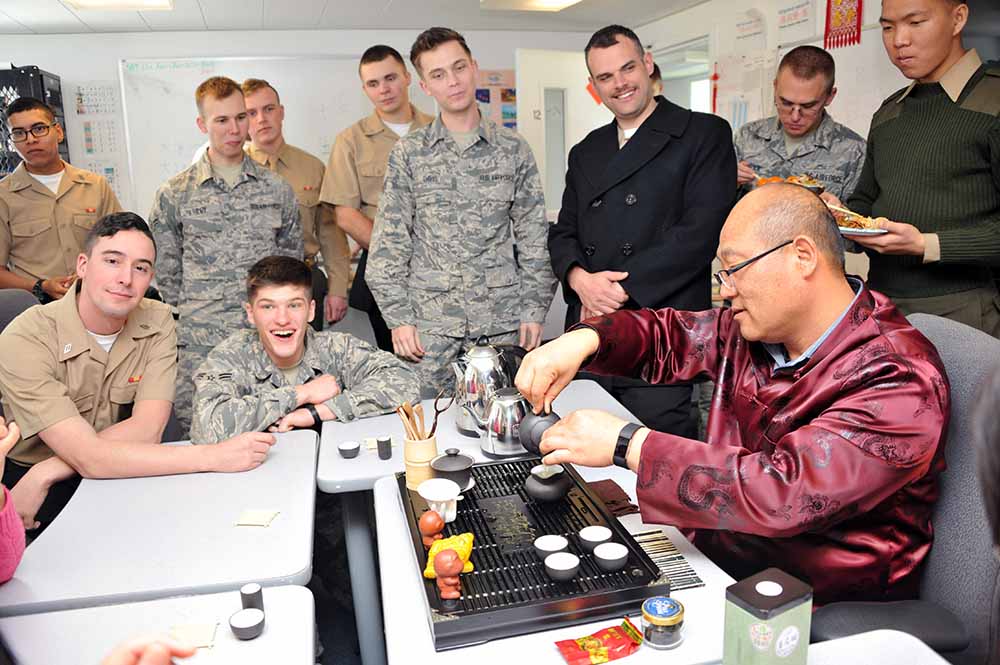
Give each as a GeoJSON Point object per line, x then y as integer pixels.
{"type": "Point", "coordinates": [442, 252]}
{"type": "Point", "coordinates": [208, 234]}
{"type": "Point", "coordinates": [240, 389]}
{"type": "Point", "coordinates": [833, 154]}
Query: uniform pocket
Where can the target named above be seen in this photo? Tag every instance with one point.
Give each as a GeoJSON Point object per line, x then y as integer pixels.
{"type": "Point", "coordinates": [30, 229]}
{"type": "Point", "coordinates": [123, 394]}
{"type": "Point", "coordinates": [84, 404]}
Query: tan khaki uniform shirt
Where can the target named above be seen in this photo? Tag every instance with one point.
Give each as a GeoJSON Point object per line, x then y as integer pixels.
{"type": "Point", "coordinates": [52, 369]}
{"type": "Point", "coordinates": [357, 164]}
{"type": "Point", "coordinates": [42, 233]}
{"type": "Point", "coordinates": [319, 231]}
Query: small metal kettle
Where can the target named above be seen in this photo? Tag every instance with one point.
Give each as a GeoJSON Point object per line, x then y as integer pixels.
{"type": "Point", "coordinates": [479, 373]}
{"type": "Point", "coordinates": [501, 433]}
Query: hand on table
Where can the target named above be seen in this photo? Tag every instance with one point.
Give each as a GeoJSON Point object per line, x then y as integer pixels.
{"type": "Point", "coordinates": [744, 174]}
{"type": "Point", "coordinates": [406, 343]}
{"type": "Point", "coordinates": [548, 369]}
{"type": "Point", "coordinates": [148, 651]}
{"type": "Point", "coordinates": [531, 335]}
{"type": "Point", "coordinates": [599, 292]}
{"type": "Point", "coordinates": [242, 452]}
{"type": "Point", "coordinates": [334, 308]}
{"type": "Point", "coordinates": [297, 419]}
{"type": "Point", "coordinates": [586, 437]}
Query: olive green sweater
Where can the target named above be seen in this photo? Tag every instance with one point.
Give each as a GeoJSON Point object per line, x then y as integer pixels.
{"type": "Point", "coordinates": [935, 164]}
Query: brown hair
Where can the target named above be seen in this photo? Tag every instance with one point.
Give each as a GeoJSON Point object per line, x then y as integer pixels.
{"type": "Point", "coordinates": [431, 38]}
{"type": "Point", "coordinates": [23, 104]}
{"type": "Point", "coordinates": [217, 87]}
{"type": "Point", "coordinates": [809, 61]}
{"type": "Point", "coordinates": [251, 86]}
{"type": "Point", "coordinates": [278, 271]}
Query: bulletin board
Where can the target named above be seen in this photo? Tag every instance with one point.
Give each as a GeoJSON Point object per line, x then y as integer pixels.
{"type": "Point", "coordinates": [496, 93]}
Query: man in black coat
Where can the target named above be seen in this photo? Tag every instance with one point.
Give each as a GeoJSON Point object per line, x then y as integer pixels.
{"type": "Point", "coordinates": [645, 199]}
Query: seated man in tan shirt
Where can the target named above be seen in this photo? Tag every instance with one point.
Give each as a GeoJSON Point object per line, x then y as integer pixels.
{"type": "Point", "coordinates": [46, 206]}
{"type": "Point", "coordinates": [90, 381]}
{"type": "Point", "coordinates": [304, 172]}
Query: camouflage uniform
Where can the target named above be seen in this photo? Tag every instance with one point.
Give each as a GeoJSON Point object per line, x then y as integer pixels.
{"type": "Point", "coordinates": [239, 389]}
{"type": "Point", "coordinates": [207, 237]}
{"type": "Point", "coordinates": [833, 154]}
{"type": "Point", "coordinates": [442, 252]}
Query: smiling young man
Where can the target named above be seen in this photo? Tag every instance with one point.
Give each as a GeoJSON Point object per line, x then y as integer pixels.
{"type": "Point", "coordinates": [46, 206]}
{"type": "Point", "coordinates": [90, 380]}
{"type": "Point", "coordinates": [353, 181]}
{"type": "Point", "coordinates": [802, 139]}
{"type": "Point", "coordinates": [458, 195]}
{"type": "Point", "coordinates": [932, 172]}
{"type": "Point", "coordinates": [644, 201]}
{"type": "Point", "coordinates": [826, 434]}
{"type": "Point", "coordinates": [212, 221]}
{"type": "Point", "coordinates": [283, 374]}
{"type": "Point", "coordinates": [304, 172]}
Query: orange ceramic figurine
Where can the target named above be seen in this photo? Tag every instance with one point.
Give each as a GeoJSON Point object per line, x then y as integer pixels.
{"type": "Point", "coordinates": [447, 566]}
{"type": "Point", "coordinates": [431, 525]}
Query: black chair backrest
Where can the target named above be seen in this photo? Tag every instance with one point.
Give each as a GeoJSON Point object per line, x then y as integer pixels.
{"type": "Point", "coordinates": [12, 303]}
{"type": "Point", "coordinates": [962, 572]}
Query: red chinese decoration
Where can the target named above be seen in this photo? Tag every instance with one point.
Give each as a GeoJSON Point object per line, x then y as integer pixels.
{"type": "Point", "coordinates": [843, 23]}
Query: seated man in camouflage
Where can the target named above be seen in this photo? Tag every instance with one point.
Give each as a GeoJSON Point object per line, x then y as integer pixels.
{"type": "Point", "coordinates": [283, 374]}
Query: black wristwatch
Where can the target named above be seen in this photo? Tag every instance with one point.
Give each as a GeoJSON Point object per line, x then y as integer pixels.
{"type": "Point", "coordinates": [39, 292]}
{"type": "Point", "coordinates": [621, 448]}
{"type": "Point", "coordinates": [315, 414]}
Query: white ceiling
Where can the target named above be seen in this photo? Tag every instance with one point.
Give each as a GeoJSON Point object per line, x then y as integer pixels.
{"type": "Point", "coordinates": [53, 16]}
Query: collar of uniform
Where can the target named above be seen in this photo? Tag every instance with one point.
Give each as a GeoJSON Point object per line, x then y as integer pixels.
{"type": "Point", "coordinates": [72, 334]}
{"type": "Point", "coordinates": [203, 169]}
{"type": "Point", "coordinates": [265, 369]}
{"type": "Point", "coordinates": [438, 132]}
{"type": "Point", "coordinates": [771, 130]}
{"type": "Point", "coordinates": [374, 124]}
{"type": "Point", "coordinates": [954, 79]}
{"type": "Point", "coordinates": [261, 157]}
{"type": "Point", "coordinates": [21, 179]}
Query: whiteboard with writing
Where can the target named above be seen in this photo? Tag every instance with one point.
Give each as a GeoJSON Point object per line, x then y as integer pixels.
{"type": "Point", "coordinates": [322, 95]}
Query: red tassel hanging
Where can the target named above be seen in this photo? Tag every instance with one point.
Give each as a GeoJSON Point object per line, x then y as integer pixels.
{"type": "Point", "coordinates": [843, 23]}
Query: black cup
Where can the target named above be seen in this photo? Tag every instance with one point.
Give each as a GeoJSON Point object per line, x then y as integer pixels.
{"type": "Point", "coordinates": [384, 447]}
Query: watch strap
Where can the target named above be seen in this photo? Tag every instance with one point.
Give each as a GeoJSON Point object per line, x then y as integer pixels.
{"type": "Point", "coordinates": [315, 414]}
{"type": "Point", "coordinates": [621, 448]}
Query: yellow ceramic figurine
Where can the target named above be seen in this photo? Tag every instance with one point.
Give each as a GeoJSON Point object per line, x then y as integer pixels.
{"type": "Point", "coordinates": [462, 544]}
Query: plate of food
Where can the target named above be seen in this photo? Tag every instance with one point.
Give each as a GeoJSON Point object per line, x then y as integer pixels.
{"type": "Point", "coordinates": [802, 180]}
{"type": "Point", "coordinates": [853, 224]}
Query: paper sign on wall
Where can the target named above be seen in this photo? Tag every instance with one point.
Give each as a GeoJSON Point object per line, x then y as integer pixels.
{"type": "Point", "coordinates": [497, 96]}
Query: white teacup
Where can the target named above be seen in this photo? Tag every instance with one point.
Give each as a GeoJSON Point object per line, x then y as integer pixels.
{"type": "Point", "coordinates": [442, 496]}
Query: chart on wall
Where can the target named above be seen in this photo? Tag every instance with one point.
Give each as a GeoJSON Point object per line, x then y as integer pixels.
{"type": "Point", "coordinates": [93, 116]}
{"type": "Point", "coordinates": [497, 96]}
{"type": "Point", "coordinates": [321, 95]}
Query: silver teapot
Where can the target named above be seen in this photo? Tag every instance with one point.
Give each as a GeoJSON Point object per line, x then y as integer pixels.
{"type": "Point", "coordinates": [500, 435]}
{"type": "Point", "coordinates": [481, 371]}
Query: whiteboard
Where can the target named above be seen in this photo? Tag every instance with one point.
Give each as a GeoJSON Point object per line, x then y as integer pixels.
{"type": "Point", "coordinates": [322, 95]}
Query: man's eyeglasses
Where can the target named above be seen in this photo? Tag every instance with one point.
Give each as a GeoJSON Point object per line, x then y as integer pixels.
{"type": "Point", "coordinates": [38, 131]}
{"type": "Point", "coordinates": [725, 277]}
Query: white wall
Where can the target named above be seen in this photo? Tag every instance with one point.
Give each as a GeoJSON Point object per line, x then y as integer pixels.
{"type": "Point", "coordinates": [540, 69]}
{"type": "Point", "coordinates": [94, 57]}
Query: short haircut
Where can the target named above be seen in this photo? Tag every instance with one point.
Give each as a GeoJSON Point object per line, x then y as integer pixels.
{"type": "Point", "coordinates": [986, 441]}
{"type": "Point", "coordinates": [378, 53]}
{"type": "Point", "coordinates": [278, 271]}
{"type": "Point", "coordinates": [23, 104]}
{"type": "Point", "coordinates": [608, 36]}
{"type": "Point", "coordinates": [806, 62]}
{"type": "Point", "coordinates": [431, 38]}
{"type": "Point", "coordinates": [797, 211]}
{"type": "Point", "coordinates": [217, 87]}
{"type": "Point", "coordinates": [113, 224]}
{"type": "Point", "coordinates": [251, 86]}
{"type": "Point", "coordinates": [657, 76]}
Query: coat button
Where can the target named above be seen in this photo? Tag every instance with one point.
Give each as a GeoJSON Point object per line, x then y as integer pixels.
{"type": "Point", "coordinates": [596, 203]}
{"type": "Point", "coordinates": [589, 250]}
{"type": "Point", "coordinates": [631, 199]}
{"type": "Point", "coordinates": [627, 249]}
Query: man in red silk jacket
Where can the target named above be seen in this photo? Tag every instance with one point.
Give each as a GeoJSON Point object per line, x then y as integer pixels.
{"type": "Point", "coordinates": [826, 433]}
